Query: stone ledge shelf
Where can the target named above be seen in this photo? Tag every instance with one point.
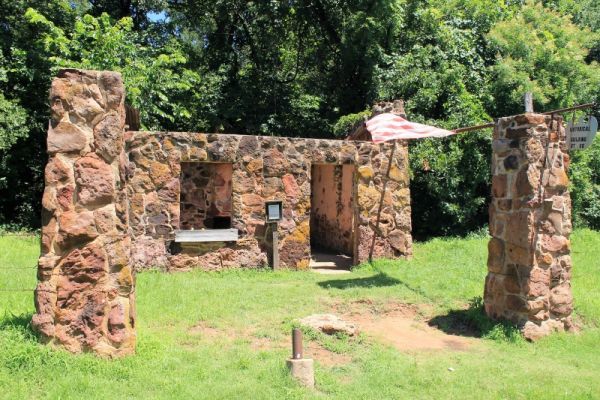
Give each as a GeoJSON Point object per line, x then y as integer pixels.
{"type": "Point", "coordinates": [207, 235]}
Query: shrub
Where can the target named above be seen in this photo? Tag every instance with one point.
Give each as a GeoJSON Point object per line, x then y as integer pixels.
{"type": "Point", "coordinates": [347, 123]}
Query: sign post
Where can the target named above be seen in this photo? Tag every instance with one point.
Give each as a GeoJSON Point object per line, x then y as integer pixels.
{"type": "Point", "coordinates": [580, 134]}
{"type": "Point", "coordinates": [274, 213]}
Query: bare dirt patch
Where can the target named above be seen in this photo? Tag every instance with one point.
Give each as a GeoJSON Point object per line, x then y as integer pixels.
{"type": "Point", "coordinates": [257, 343]}
{"type": "Point", "coordinates": [312, 349]}
{"type": "Point", "coordinates": [401, 325]}
{"type": "Point", "coordinates": [265, 344]}
{"type": "Point", "coordinates": [325, 357]}
{"type": "Point", "coordinates": [204, 330]}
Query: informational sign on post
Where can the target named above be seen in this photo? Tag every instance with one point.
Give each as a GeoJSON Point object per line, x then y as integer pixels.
{"type": "Point", "coordinates": [581, 133]}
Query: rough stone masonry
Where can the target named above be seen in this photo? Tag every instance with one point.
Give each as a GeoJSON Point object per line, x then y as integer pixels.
{"type": "Point", "coordinates": [85, 293]}
{"type": "Point", "coordinates": [113, 202]}
{"type": "Point", "coordinates": [529, 262]}
{"type": "Point", "coordinates": [264, 169]}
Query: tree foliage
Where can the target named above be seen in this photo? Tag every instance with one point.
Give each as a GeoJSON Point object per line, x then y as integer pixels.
{"type": "Point", "coordinates": [307, 68]}
{"type": "Point", "coordinates": [542, 52]}
{"type": "Point", "coordinates": [156, 79]}
{"type": "Point", "coordinates": [585, 186]}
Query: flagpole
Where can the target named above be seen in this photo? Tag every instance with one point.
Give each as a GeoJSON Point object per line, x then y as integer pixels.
{"type": "Point", "coordinates": [385, 182]}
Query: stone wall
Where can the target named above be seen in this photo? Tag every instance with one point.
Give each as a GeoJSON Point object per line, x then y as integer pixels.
{"type": "Point", "coordinates": [84, 297]}
{"type": "Point", "coordinates": [264, 168]}
{"type": "Point", "coordinates": [332, 207]}
{"type": "Point", "coordinates": [529, 264]}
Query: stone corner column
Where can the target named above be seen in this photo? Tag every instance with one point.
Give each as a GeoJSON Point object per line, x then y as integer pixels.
{"type": "Point", "coordinates": [529, 262]}
{"type": "Point", "coordinates": [382, 217]}
{"type": "Point", "coordinates": [85, 294]}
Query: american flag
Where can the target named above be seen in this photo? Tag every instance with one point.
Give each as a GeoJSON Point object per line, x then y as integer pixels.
{"type": "Point", "coordinates": [384, 127]}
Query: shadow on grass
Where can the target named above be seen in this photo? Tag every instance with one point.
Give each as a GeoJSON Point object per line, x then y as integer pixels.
{"type": "Point", "coordinates": [21, 323]}
{"type": "Point", "coordinates": [379, 280]}
{"type": "Point", "coordinates": [474, 322]}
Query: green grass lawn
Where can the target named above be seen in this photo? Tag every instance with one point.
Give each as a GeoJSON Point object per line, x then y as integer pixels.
{"type": "Point", "coordinates": [177, 360]}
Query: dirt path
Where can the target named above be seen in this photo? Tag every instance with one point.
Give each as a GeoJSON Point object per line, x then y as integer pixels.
{"type": "Point", "coordinates": [402, 326]}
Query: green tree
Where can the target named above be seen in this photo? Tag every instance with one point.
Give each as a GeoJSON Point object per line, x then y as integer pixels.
{"type": "Point", "coordinates": [542, 52]}
{"type": "Point", "coordinates": [585, 185]}
{"type": "Point", "coordinates": [439, 66]}
{"type": "Point", "coordinates": [155, 78]}
{"type": "Point", "coordinates": [289, 68]}
{"type": "Point", "coordinates": [24, 86]}
{"type": "Point", "coordinates": [13, 117]}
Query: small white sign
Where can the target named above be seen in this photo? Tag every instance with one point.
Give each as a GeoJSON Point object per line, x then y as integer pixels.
{"type": "Point", "coordinates": [274, 212]}
{"type": "Point", "coordinates": [581, 133]}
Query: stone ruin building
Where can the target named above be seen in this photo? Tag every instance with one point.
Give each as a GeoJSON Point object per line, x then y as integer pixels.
{"type": "Point", "coordinates": [117, 201]}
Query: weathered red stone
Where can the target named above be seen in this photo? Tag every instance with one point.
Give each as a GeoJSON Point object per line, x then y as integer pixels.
{"type": "Point", "coordinates": [519, 229]}
{"type": "Point", "coordinates": [57, 171]}
{"type": "Point", "coordinates": [112, 85]}
{"type": "Point", "coordinates": [160, 173]}
{"type": "Point", "coordinates": [527, 181]}
{"type": "Point", "coordinates": [116, 323]}
{"type": "Point", "coordinates": [105, 220]}
{"type": "Point", "coordinates": [85, 245]}
{"type": "Point", "coordinates": [519, 255]}
{"type": "Point", "coordinates": [518, 132]}
{"type": "Point", "coordinates": [49, 202]}
{"type": "Point", "coordinates": [43, 323]}
{"type": "Point", "coordinates": [558, 179]}
{"type": "Point", "coordinates": [88, 265]}
{"type": "Point", "coordinates": [76, 228]}
{"type": "Point", "coordinates": [64, 197]}
{"type": "Point", "coordinates": [495, 255]}
{"type": "Point", "coordinates": [398, 240]}
{"type": "Point", "coordinates": [555, 243]}
{"type": "Point", "coordinates": [95, 181]}
{"type": "Point", "coordinates": [248, 146]}
{"type": "Point", "coordinates": [274, 162]}
{"type": "Point", "coordinates": [512, 284]}
{"type": "Point", "coordinates": [499, 188]}
{"type": "Point", "coordinates": [516, 303]}
{"type": "Point", "coordinates": [561, 300]}
{"type": "Point", "coordinates": [290, 187]}
{"type": "Point", "coordinates": [108, 135]}
{"type": "Point", "coordinates": [504, 204]}
{"type": "Point", "coordinates": [530, 119]}
{"type": "Point", "coordinates": [66, 137]}
{"type": "Point", "coordinates": [48, 234]}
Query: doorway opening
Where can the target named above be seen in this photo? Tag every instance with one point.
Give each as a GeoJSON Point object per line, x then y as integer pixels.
{"type": "Point", "coordinates": [332, 233]}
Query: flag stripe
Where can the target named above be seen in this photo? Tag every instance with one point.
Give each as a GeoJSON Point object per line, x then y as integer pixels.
{"type": "Point", "coordinates": [384, 127]}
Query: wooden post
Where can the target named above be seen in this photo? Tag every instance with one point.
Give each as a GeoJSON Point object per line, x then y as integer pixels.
{"type": "Point", "coordinates": [528, 99]}
{"type": "Point", "coordinates": [275, 246]}
{"type": "Point", "coordinates": [385, 182]}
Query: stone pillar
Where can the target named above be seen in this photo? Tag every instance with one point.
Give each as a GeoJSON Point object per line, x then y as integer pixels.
{"type": "Point", "coordinates": [85, 293]}
{"type": "Point", "coordinates": [529, 262]}
{"type": "Point", "coordinates": [382, 214]}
